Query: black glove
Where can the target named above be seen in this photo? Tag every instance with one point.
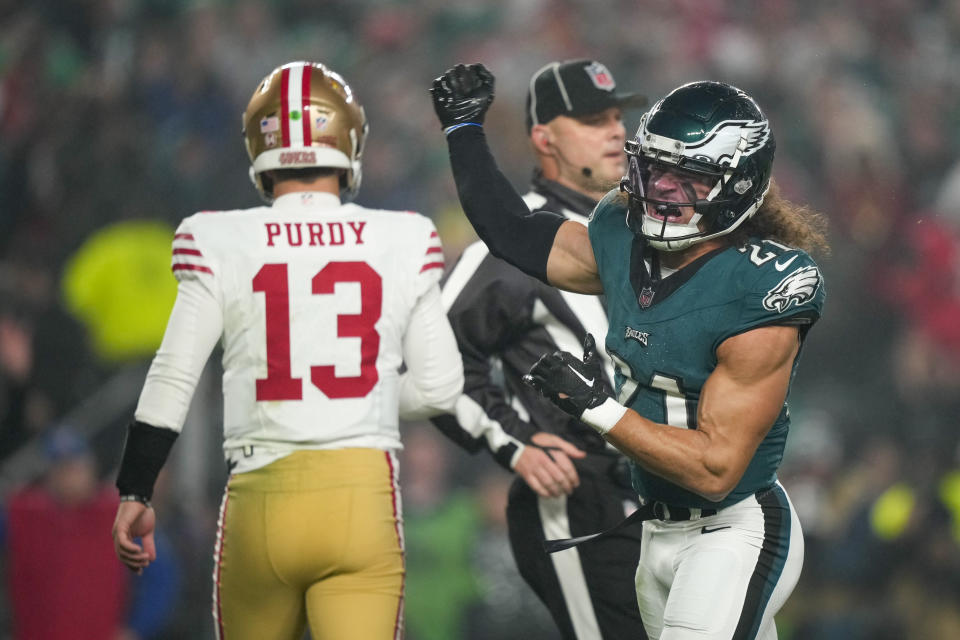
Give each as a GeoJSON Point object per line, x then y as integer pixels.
{"type": "Point", "coordinates": [462, 95]}
{"type": "Point", "coordinates": [580, 382]}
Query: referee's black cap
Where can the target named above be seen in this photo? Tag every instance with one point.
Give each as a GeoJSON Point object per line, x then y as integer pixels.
{"type": "Point", "coordinates": [574, 88]}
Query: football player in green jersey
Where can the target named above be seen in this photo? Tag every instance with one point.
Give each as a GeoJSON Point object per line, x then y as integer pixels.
{"type": "Point", "coordinates": [710, 292]}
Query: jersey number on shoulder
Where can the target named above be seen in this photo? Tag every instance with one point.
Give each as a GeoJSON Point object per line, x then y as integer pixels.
{"type": "Point", "coordinates": [759, 259]}
{"type": "Point", "coordinates": [679, 409]}
{"type": "Point", "coordinates": [280, 384]}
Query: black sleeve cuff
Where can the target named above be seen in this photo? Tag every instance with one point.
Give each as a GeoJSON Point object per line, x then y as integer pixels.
{"type": "Point", "coordinates": [144, 454]}
{"type": "Point", "coordinates": [504, 455]}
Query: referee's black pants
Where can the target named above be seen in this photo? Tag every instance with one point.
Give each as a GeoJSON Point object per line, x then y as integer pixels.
{"type": "Point", "coordinates": [589, 589]}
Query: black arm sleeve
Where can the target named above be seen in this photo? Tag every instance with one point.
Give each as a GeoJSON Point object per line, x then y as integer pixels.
{"type": "Point", "coordinates": [496, 210]}
{"type": "Point", "coordinates": [144, 454]}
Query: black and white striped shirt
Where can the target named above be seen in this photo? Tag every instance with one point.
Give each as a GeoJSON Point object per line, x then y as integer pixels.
{"type": "Point", "coordinates": [504, 320]}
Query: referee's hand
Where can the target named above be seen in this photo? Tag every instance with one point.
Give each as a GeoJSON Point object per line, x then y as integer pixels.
{"type": "Point", "coordinates": [546, 466]}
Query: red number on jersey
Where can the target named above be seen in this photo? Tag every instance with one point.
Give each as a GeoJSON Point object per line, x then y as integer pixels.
{"type": "Point", "coordinates": [360, 326]}
{"type": "Point", "coordinates": [279, 384]}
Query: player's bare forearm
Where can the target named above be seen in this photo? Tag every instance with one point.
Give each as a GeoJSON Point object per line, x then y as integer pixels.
{"type": "Point", "coordinates": [739, 403]}
{"type": "Point", "coordinates": [682, 456]}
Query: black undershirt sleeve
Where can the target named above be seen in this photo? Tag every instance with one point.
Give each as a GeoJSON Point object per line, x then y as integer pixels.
{"type": "Point", "coordinates": [144, 454]}
{"type": "Point", "coordinates": [495, 209]}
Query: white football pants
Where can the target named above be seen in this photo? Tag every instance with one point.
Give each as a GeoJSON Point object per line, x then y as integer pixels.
{"type": "Point", "coordinates": [721, 577]}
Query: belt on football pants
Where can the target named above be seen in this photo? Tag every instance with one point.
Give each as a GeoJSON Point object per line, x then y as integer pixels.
{"type": "Point", "coordinates": [653, 510]}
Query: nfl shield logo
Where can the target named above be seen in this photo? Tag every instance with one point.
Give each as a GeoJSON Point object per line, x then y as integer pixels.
{"type": "Point", "coordinates": [646, 297]}
{"type": "Point", "coordinates": [600, 76]}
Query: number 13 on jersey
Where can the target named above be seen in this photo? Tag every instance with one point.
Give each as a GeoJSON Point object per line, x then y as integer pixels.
{"type": "Point", "coordinates": [272, 280]}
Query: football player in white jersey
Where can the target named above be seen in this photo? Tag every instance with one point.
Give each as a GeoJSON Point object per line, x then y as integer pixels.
{"type": "Point", "coordinates": [318, 302]}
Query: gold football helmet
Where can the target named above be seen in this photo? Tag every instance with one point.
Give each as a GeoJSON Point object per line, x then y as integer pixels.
{"type": "Point", "coordinates": [304, 115]}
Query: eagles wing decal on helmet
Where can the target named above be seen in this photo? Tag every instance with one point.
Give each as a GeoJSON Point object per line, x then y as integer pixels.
{"type": "Point", "coordinates": [727, 135]}
{"type": "Point", "coordinates": [796, 289]}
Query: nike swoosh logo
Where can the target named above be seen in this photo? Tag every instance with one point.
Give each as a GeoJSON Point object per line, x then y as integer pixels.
{"type": "Point", "coordinates": [712, 529]}
{"type": "Point", "coordinates": [781, 267]}
{"type": "Point", "coordinates": [589, 382]}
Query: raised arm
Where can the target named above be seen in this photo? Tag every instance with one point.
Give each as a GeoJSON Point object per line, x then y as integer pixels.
{"type": "Point", "coordinates": [542, 244]}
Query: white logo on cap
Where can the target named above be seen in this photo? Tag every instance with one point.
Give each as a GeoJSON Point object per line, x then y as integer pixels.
{"type": "Point", "coordinates": [600, 76]}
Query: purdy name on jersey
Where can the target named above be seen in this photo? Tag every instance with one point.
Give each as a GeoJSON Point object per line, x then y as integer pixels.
{"type": "Point", "coordinates": [314, 234]}
{"type": "Point", "coordinates": [664, 334]}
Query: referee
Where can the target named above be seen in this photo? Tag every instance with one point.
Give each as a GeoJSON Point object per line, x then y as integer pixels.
{"type": "Point", "coordinates": [568, 481]}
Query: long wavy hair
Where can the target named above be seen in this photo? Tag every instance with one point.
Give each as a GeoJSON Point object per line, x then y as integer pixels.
{"type": "Point", "coordinates": [792, 224]}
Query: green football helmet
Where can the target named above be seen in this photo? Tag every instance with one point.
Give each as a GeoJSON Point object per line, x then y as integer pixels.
{"type": "Point", "coordinates": [709, 131]}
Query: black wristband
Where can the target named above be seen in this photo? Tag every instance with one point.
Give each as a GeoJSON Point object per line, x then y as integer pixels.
{"type": "Point", "coordinates": [144, 454]}
{"type": "Point", "coordinates": [504, 455]}
{"type": "Point", "coordinates": [497, 212]}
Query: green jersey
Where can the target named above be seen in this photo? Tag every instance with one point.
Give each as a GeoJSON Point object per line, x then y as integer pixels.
{"type": "Point", "coordinates": [664, 334]}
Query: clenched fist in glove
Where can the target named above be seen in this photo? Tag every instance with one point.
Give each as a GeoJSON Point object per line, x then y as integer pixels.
{"type": "Point", "coordinates": [462, 95]}
{"type": "Point", "coordinates": [577, 386]}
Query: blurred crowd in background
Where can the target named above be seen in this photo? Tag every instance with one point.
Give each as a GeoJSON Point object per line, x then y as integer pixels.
{"type": "Point", "coordinates": [120, 117]}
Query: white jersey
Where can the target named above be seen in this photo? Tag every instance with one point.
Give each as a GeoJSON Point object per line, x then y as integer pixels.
{"type": "Point", "coordinates": [318, 305]}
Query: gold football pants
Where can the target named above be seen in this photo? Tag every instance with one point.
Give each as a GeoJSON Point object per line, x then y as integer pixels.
{"type": "Point", "coordinates": [315, 537]}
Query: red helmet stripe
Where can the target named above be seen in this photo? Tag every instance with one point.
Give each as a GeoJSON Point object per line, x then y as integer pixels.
{"type": "Point", "coordinates": [285, 106]}
{"type": "Point", "coordinates": [305, 100]}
